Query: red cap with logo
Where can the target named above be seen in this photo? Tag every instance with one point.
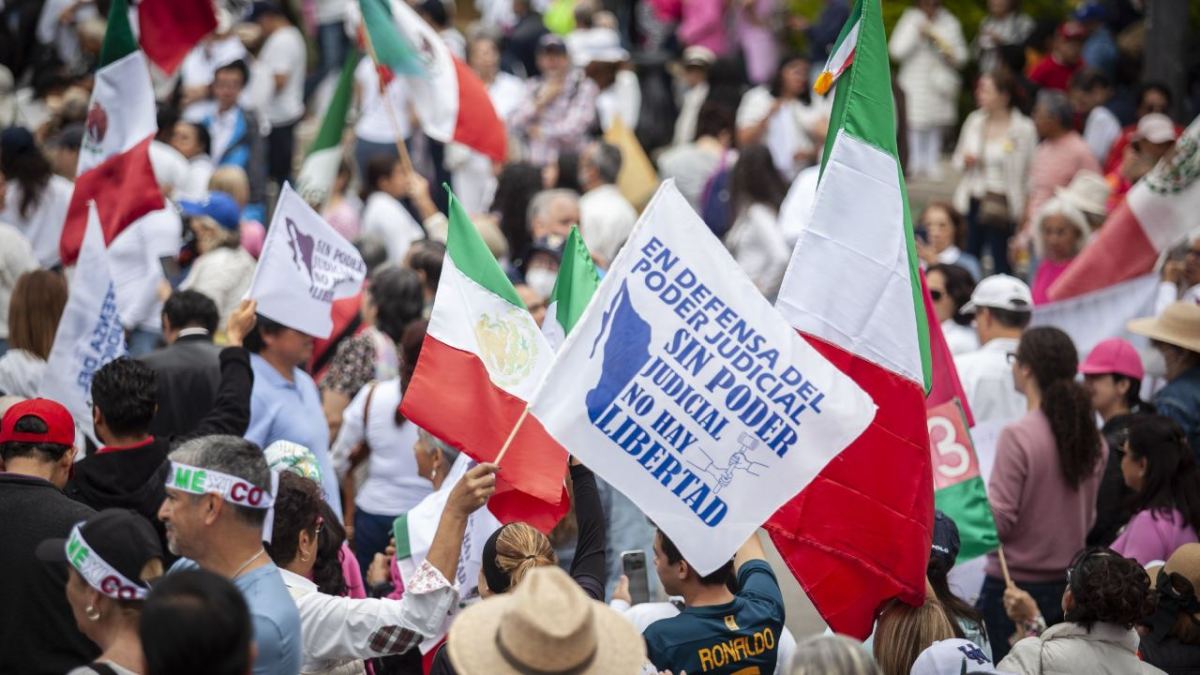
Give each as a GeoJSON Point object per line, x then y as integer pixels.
{"type": "Point", "coordinates": [60, 426]}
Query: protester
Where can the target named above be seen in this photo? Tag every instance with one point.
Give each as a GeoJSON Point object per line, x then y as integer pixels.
{"type": "Point", "coordinates": [605, 217]}
{"type": "Point", "coordinates": [218, 496]}
{"type": "Point", "coordinates": [386, 182]}
{"type": "Point", "coordinates": [194, 622]}
{"type": "Point", "coordinates": [233, 181]}
{"type": "Point", "coordinates": [112, 559]}
{"type": "Point", "coordinates": [941, 233]}
{"type": "Point", "coordinates": [547, 625]}
{"type": "Point", "coordinates": [832, 655]}
{"type": "Point", "coordinates": [994, 151]}
{"type": "Point", "coordinates": [955, 656]}
{"type": "Point", "coordinates": [1044, 481]}
{"type": "Point", "coordinates": [755, 239]}
{"type": "Point", "coordinates": [223, 271]}
{"type": "Point", "coordinates": [36, 200]}
{"type": "Point", "coordinates": [928, 43]}
{"type": "Point", "coordinates": [34, 309]}
{"type": "Point", "coordinates": [1175, 334]}
{"type": "Point", "coordinates": [1112, 375]}
{"type": "Point", "coordinates": [784, 117]}
{"type": "Point", "coordinates": [950, 288]}
{"type": "Point", "coordinates": [1004, 26]}
{"type": "Point", "coordinates": [1160, 469]}
{"type": "Point", "coordinates": [193, 142]}
{"type": "Point", "coordinates": [16, 258]}
{"type": "Point", "coordinates": [1060, 231]}
{"type": "Point", "coordinates": [1065, 59]}
{"type": "Point", "coordinates": [425, 258]}
{"type": "Point", "coordinates": [340, 632]}
{"type": "Point", "coordinates": [1104, 597]}
{"type": "Point", "coordinates": [1002, 308]}
{"type": "Point", "coordinates": [384, 118]}
{"type": "Point", "coordinates": [285, 403]}
{"type": "Point", "coordinates": [691, 92]}
{"type": "Point", "coordinates": [966, 621]}
{"type": "Point", "coordinates": [693, 641]}
{"type": "Point", "coordinates": [342, 206]}
{"type": "Point", "coordinates": [1061, 153]}
{"type": "Point", "coordinates": [694, 162]}
{"type": "Point", "coordinates": [188, 368]}
{"type": "Point", "coordinates": [280, 66]}
{"type": "Point", "coordinates": [560, 105]}
{"type": "Point", "coordinates": [1171, 636]}
{"type": "Point", "coordinates": [234, 130]}
{"type": "Point", "coordinates": [1152, 97]}
{"type": "Point", "coordinates": [903, 632]}
{"type": "Point", "coordinates": [1090, 92]}
{"type": "Point", "coordinates": [550, 217]}
{"type": "Point", "coordinates": [37, 448]}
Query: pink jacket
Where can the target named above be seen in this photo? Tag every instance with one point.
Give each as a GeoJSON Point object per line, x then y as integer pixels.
{"type": "Point", "coordinates": [1151, 536]}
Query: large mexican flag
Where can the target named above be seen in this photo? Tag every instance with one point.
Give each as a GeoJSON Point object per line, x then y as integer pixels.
{"type": "Point", "coordinates": [860, 533]}
{"type": "Point", "coordinates": [481, 360]}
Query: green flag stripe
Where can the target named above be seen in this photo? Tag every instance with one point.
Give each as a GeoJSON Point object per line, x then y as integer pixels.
{"type": "Point", "coordinates": [400, 532]}
{"type": "Point", "coordinates": [472, 257]}
{"type": "Point", "coordinates": [967, 505]}
{"type": "Point", "coordinates": [391, 48]}
{"type": "Point", "coordinates": [863, 106]}
{"type": "Point", "coordinates": [118, 36]}
{"type": "Point", "coordinates": [334, 122]}
{"type": "Point", "coordinates": [577, 281]}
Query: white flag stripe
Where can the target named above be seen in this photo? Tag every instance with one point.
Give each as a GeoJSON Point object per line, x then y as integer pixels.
{"type": "Point", "coordinates": [434, 95]}
{"type": "Point", "coordinates": [121, 112]}
{"type": "Point", "coordinates": [305, 265]}
{"type": "Point", "coordinates": [883, 332]}
{"type": "Point", "coordinates": [89, 334]}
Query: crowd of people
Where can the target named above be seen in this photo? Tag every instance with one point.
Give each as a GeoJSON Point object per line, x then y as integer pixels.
{"type": "Point", "coordinates": [236, 501]}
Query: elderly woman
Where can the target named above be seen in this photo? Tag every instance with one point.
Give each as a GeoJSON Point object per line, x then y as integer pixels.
{"type": "Point", "coordinates": [1060, 233]}
{"type": "Point", "coordinates": [224, 269]}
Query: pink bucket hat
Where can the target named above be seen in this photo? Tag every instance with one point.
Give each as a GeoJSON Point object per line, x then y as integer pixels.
{"type": "Point", "coordinates": [1115, 356]}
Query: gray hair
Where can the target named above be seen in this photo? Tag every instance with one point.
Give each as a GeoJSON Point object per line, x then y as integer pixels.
{"type": "Point", "coordinates": [540, 204]}
{"type": "Point", "coordinates": [833, 655]}
{"type": "Point", "coordinates": [231, 455]}
{"type": "Point", "coordinates": [1056, 103]}
{"type": "Point", "coordinates": [606, 159]}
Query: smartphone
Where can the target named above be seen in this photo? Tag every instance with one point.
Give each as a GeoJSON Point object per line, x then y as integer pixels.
{"type": "Point", "coordinates": [633, 563]}
{"type": "Point", "coordinates": [170, 267]}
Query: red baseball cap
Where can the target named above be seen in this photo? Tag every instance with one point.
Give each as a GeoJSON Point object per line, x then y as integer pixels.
{"type": "Point", "coordinates": [60, 426]}
{"type": "Point", "coordinates": [1072, 30]}
{"type": "Point", "coordinates": [1115, 356]}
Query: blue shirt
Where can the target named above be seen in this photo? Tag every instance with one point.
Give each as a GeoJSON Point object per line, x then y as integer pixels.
{"type": "Point", "coordinates": [291, 411]}
{"type": "Point", "coordinates": [274, 615]}
{"type": "Point", "coordinates": [741, 636]}
{"type": "Point", "coordinates": [1180, 401]}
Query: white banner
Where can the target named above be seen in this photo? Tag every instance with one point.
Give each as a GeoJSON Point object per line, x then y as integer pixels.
{"type": "Point", "coordinates": [682, 387]}
{"type": "Point", "coordinates": [305, 265]}
{"type": "Point", "coordinates": [1101, 314]}
{"type": "Point", "coordinates": [89, 334]}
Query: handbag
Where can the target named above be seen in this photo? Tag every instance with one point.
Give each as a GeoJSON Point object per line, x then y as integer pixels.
{"type": "Point", "coordinates": [358, 455]}
{"type": "Point", "coordinates": [993, 212]}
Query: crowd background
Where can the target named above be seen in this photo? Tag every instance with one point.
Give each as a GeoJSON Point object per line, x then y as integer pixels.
{"type": "Point", "coordinates": [1022, 127]}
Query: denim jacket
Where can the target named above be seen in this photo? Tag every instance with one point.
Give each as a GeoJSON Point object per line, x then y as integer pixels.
{"type": "Point", "coordinates": [1180, 400]}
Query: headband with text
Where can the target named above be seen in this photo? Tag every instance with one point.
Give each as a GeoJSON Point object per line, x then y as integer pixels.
{"type": "Point", "coordinates": [98, 573]}
{"type": "Point", "coordinates": [239, 491]}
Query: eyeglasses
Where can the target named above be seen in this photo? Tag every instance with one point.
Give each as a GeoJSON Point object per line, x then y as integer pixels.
{"type": "Point", "coordinates": [936, 295]}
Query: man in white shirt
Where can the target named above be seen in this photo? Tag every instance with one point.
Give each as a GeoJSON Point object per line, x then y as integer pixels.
{"type": "Point", "coordinates": [383, 215]}
{"type": "Point", "coordinates": [381, 121]}
{"type": "Point", "coordinates": [281, 65]}
{"type": "Point", "coordinates": [1002, 306]}
{"type": "Point", "coordinates": [605, 217]}
{"type": "Point", "coordinates": [1090, 92]}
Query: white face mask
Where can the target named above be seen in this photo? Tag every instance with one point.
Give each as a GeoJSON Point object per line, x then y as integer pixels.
{"type": "Point", "coordinates": [541, 280]}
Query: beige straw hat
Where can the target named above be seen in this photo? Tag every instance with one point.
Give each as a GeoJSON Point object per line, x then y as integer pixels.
{"type": "Point", "coordinates": [1178, 325]}
{"type": "Point", "coordinates": [546, 625]}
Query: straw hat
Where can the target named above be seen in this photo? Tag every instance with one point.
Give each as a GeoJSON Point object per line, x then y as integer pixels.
{"type": "Point", "coordinates": [546, 625]}
{"type": "Point", "coordinates": [1178, 325]}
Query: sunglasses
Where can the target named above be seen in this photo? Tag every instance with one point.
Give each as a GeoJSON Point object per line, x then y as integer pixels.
{"type": "Point", "coordinates": [936, 295]}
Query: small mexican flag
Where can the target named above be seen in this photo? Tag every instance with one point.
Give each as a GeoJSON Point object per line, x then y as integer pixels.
{"type": "Point", "coordinates": [320, 168]}
{"type": "Point", "coordinates": [481, 361]}
{"type": "Point", "coordinates": [573, 289]}
{"type": "Point", "coordinates": [958, 487]}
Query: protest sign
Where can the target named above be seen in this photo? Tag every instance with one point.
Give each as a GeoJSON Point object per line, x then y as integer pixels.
{"type": "Point", "coordinates": [684, 389]}
{"type": "Point", "coordinates": [89, 334]}
{"type": "Point", "coordinates": [305, 266]}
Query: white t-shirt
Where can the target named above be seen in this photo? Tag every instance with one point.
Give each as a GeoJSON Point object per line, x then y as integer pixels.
{"type": "Point", "coordinates": [284, 54]}
{"type": "Point", "coordinates": [986, 378]}
{"type": "Point", "coordinates": [789, 130]}
{"type": "Point", "coordinates": [43, 225]}
{"type": "Point", "coordinates": [200, 65]}
{"type": "Point", "coordinates": [223, 274]}
{"type": "Point", "coordinates": [374, 120]}
{"type": "Point", "coordinates": [392, 486]}
{"type": "Point", "coordinates": [16, 258]}
{"type": "Point", "coordinates": [507, 92]}
{"type": "Point", "coordinates": [331, 11]}
{"type": "Point", "coordinates": [605, 220]}
{"type": "Point", "coordinates": [623, 99]}
{"type": "Point", "coordinates": [1101, 131]}
{"type": "Point", "coordinates": [387, 218]}
{"type": "Point", "coordinates": [756, 243]}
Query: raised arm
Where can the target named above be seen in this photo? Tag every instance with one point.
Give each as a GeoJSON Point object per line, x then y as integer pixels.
{"type": "Point", "coordinates": [230, 413]}
{"type": "Point", "coordinates": [590, 560]}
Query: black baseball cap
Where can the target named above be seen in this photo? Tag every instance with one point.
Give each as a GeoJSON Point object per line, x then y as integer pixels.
{"type": "Point", "coordinates": [109, 550]}
{"type": "Point", "coordinates": [945, 540]}
{"type": "Point", "coordinates": [552, 43]}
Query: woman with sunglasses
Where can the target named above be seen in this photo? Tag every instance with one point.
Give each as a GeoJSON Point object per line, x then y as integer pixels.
{"type": "Point", "coordinates": [339, 633]}
{"type": "Point", "coordinates": [1171, 636]}
{"type": "Point", "coordinates": [1105, 597]}
{"type": "Point", "coordinates": [950, 287]}
{"type": "Point", "coordinates": [1044, 481]}
{"type": "Point", "coordinates": [1160, 469]}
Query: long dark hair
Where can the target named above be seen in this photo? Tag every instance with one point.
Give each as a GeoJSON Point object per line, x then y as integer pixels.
{"type": "Point", "coordinates": [29, 168]}
{"type": "Point", "coordinates": [1172, 479]}
{"type": "Point", "coordinates": [957, 609]}
{"type": "Point", "coordinates": [959, 285]}
{"type": "Point", "coordinates": [776, 88]}
{"type": "Point", "coordinates": [327, 568]}
{"type": "Point", "coordinates": [515, 188]}
{"type": "Point", "coordinates": [299, 507]}
{"type": "Point", "coordinates": [755, 180]}
{"type": "Point", "coordinates": [1052, 358]}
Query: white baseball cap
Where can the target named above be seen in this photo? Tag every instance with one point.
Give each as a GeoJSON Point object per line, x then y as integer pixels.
{"type": "Point", "coordinates": [953, 657]}
{"type": "Point", "coordinates": [1156, 128]}
{"type": "Point", "coordinates": [1000, 291]}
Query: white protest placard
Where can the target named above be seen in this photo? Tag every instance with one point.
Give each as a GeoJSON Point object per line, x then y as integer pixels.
{"type": "Point", "coordinates": [305, 265]}
{"type": "Point", "coordinates": [682, 387]}
{"type": "Point", "coordinates": [89, 334]}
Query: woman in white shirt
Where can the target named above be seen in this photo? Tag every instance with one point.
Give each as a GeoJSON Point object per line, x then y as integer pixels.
{"type": "Point", "coordinates": [338, 633]}
{"type": "Point", "coordinates": [755, 239]}
{"type": "Point", "coordinates": [950, 287]}
{"type": "Point", "coordinates": [378, 128]}
{"type": "Point", "coordinates": [383, 216]}
{"type": "Point", "coordinates": [34, 309]}
{"type": "Point", "coordinates": [36, 200]}
{"type": "Point", "coordinates": [785, 118]}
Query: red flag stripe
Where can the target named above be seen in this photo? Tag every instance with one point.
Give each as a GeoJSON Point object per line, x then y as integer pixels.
{"type": "Point", "coordinates": [478, 127]}
{"type": "Point", "coordinates": [170, 28]}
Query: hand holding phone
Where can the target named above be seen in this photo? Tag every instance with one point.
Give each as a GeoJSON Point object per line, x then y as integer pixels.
{"type": "Point", "coordinates": [633, 563]}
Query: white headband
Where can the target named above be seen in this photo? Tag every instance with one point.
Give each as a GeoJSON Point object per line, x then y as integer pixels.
{"type": "Point", "coordinates": [98, 573]}
{"type": "Point", "coordinates": [198, 481]}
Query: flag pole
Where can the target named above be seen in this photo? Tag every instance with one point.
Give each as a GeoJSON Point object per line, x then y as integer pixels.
{"type": "Point", "coordinates": [1008, 582]}
{"type": "Point", "coordinates": [511, 435]}
{"type": "Point", "coordinates": [387, 103]}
